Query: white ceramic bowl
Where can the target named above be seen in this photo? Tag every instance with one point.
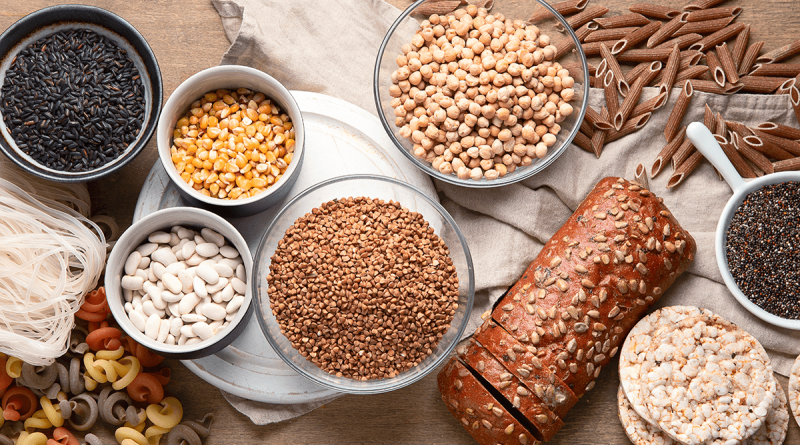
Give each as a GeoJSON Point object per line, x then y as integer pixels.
{"type": "Point", "coordinates": [136, 235]}
{"type": "Point", "coordinates": [702, 138]}
{"type": "Point", "coordinates": [230, 77]}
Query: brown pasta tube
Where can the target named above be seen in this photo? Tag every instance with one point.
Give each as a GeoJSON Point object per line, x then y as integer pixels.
{"type": "Point", "coordinates": [776, 69]}
{"type": "Point", "coordinates": [583, 141]}
{"type": "Point", "coordinates": [683, 41]}
{"type": "Point", "coordinates": [710, 120]}
{"type": "Point", "coordinates": [691, 72]}
{"type": "Point", "coordinates": [740, 128]}
{"type": "Point", "coordinates": [781, 53]}
{"type": "Point", "coordinates": [631, 125]}
{"type": "Point", "coordinates": [585, 31]}
{"type": "Point", "coordinates": [767, 148]}
{"type": "Point", "coordinates": [760, 84]}
{"type": "Point", "coordinates": [586, 16]}
{"type": "Point", "coordinates": [587, 128]}
{"type": "Point", "coordinates": [740, 46]}
{"type": "Point", "coordinates": [701, 4]}
{"type": "Point", "coordinates": [794, 99]}
{"type": "Point", "coordinates": [613, 66]}
{"type": "Point", "coordinates": [779, 130]}
{"type": "Point", "coordinates": [563, 8]}
{"type": "Point", "coordinates": [753, 155]}
{"type": "Point", "coordinates": [684, 151]}
{"type": "Point", "coordinates": [650, 105]}
{"type": "Point", "coordinates": [635, 37]}
{"type": "Point", "coordinates": [599, 138]}
{"type": "Point", "coordinates": [666, 153]}
{"type": "Point", "coordinates": [739, 164]}
{"type": "Point", "coordinates": [563, 46]}
{"type": "Point", "coordinates": [786, 86]}
{"type": "Point", "coordinates": [715, 68]}
{"type": "Point", "coordinates": [644, 55]}
{"type": "Point", "coordinates": [622, 21]}
{"type": "Point", "coordinates": [654, 11]}
{"type": "Point", "coordinates": [630, 101]}
{"type": "Point", "coordinates": [718, 37]}
{"type": "Point", "coordinates": [709, 86]}
{"type": "Point", "coordinates": [787, 165]}
{"type": "Point", "coordinates": [726, 63]}
{"type": "Point", "coordinates": [635, 72]}
{"type": "Point", "coordinates": [685, 169]}
{"type": "Point", "coordinates": [785, 144]}
{"type": "Point", "coordinates": [667, 30]}
{"type": "Point", "coordinates": [749, 58]}
{"type": "Point", "coordinates": [640, 175]}
{"type": "Point", "coordinates": [706, 27]}
{"type": "Point", "coordinates": [610, 92]}
{"type": "Point", "coordinates": [596, 119]}
{"type": "Point", "coordinates": [670, 71]}
{"type": "Point", "coordinates": [701, 15]}
{"type": "Point", "coordinates": [608, 34]}
{"type": "Point", "coordinates": [674, 120]}
{"type": "Point", "coordinates": [593, 48]}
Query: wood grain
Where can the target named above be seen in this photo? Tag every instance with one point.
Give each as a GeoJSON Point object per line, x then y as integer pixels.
{"type": "Point", "coordinates": [187, 36]}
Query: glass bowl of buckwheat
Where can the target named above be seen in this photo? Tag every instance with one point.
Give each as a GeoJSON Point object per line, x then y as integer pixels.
{"type": "Point", "coordinates": [481, 97]}
{"type": "Point", "coordinates": [363, 284]}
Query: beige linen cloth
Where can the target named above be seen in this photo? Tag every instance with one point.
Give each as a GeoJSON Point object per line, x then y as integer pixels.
{"type": "Point", "coordinates": [330, 47]}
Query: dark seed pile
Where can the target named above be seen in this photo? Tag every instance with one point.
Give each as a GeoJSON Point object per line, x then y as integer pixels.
{"type": "Point", "coordinates": [763, 248]}
{"type": "Point", "coordinates": [363, 288]}
{"type": "Point", "coordinates": [73, 100]}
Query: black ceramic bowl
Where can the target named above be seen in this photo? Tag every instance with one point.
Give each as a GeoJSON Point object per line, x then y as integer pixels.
{"type": "Point", "coordinates": [52, 19]}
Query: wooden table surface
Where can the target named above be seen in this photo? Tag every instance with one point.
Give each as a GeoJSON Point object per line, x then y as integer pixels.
{"type": "Point", "coordinates": [187, 36]}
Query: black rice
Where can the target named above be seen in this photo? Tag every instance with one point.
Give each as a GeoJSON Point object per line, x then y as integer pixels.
{"type": "Point", "coordinates": [73, 100]}
{"type": "Point", "coordinates": [763, 248]}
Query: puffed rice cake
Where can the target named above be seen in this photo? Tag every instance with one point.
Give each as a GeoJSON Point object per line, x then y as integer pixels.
{"type": "Point", "coordinates": [637, 430]}
{"type": "Point", "coordinates": [794, 390]}
{"type": "Point", "coordinates": [773, 432]}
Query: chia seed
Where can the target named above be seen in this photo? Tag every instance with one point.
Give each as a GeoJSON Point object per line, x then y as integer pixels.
{"type": "Point", "coordinates": [763, 248]}
{"type": "Point", "coordinates": [73, 100]}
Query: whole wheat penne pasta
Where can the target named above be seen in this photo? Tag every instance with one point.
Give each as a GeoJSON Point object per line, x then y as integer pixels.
{"type": "Point", "coordinates": [785, 144]}
{"type": "Point", "coordinates": [635, 72]}
{"type": "Point", "coordinates": [749, 58]}
{"type": "Point", "coordinates": [701, 15]}
{"type": "Point", "coordinates": [596, 120]}
{"type": "Point", "coordinates": [726, 63]}
{"type": "Point", "coordinates": [767, 148]}
{"type": "Point", "coordinates": [593, 48]}
{"type": "Point", "coordinates": [718, 37]}
{"type": "Point", "coordinates": [635, 37]}
{"type": "Point", "coordinates": [701, 4]}
{"type": "Point", "coordinates": [666, 153]}
{"type": "Point", "coordinates": [739, 128]}
{"type": "Point", "coordinates": [761, 84]}
{"type": "Point", "coordinates": [608, 34]}
{"type": "Point", "coordinates": [613, 66]}
{"type": "Point", "coordinates": [759, 160]}
{"type": "Point", "coordinates": [586, 128]}
{"type": "Point", "coordinates": [794, 99]}
{"type": "Point", "coordinates": [670, 71]}
{"type": "Point", "coordinates": [684, 151]}
{"type": "Point", "coordinates": [776, 69]}
{"type": "Point", "coordinates": [654, 11]}
{"type": "Point", "coordinates": [583, 141]}
{"type": "Point", "coordinates": [576, 66]}
{"type": "Point", "coordinates": [631, 125]}
{"type": "Point", "coordinates": [622, 21]}
{"type": "Point", "coordinates": [691, 72]}
{"type": "Point", "coordinates": [786, 86]}
{"type": "Point", "coordinates": [709, 119]}
{"type": "Point", "coordinates": [740, 46]}
{"type": "Point", "coordinates": [586, 16]}
{"type": "Point", "coordinates": [644, 55]}
{"type": "Point", "coordinates": [640, 176]}
{"type": "Point", "coordinates": [736, 159]}
{"type": "Point", "coordinates": [599, 138]}
{"type": "Point", "coordinates": [683, 41]}
{"type": "Point", "coordinates": [779, 130]}
{"type": "Point", "coordinates": [585, 31]}
{"type": "Point", "coordinates": [685, 169]}
{"type": "Point", "coordinates": [650, 105]}
{"type": "Point", "coordinates": [715, 69]}
{"type": "Point", "coordinates": [781, 53]}
{"type": "Point", "coordinates": [705, 27]}
{"type": "Point", "coordinates": [563, 46]}
{"type": "Point", "coordinates": [689, 58]}
{"type": "Point", "coordinates": [563, 8]}
{"type": "Point", "coordinates": [720, 127]}
{"type": "Point", "coordinates": [787, 165]}
{"type": "Point", "coordinates": [630, 101]}
{"type": "Point", "coordinates": [599, 77]}
{"type": "Point", "coordinates": [675, 117]}
{"type": "Point", "coordinates": [610, 92]}
{"type": "Point", "coordinates": [666, 31]}
{"type": "Point", "coordinates": [709, 86]}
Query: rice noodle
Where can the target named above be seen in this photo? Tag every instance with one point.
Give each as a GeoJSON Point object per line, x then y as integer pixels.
{"type": "Point", "coordinates": [51, 256]}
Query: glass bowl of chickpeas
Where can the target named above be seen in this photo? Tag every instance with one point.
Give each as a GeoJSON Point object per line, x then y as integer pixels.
{"type": "Point", "coordinates": [481, 98]}
{"type": "Point", "coordinates": [231, 138]}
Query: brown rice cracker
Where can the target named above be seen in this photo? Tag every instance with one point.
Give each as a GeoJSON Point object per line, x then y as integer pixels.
{"type": "Point", "coordinates": [773, 432]}
{"type": "Point", "coordinates": [639, 431]}
{"type": "Point", "coordinates": [636, 345]}
{"type": "Point", "coordinates": [705, 379]}
{"type": "Point", "coordinates": [794, 390]}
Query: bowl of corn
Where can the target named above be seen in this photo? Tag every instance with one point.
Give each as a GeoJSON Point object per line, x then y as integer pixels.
{"type": "Point", "coordinates": [231, 138]}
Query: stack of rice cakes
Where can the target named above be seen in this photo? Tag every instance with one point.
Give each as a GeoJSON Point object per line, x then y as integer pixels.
{"type": "Point", "coordinates": [794, 390]}
{"type": "Point", "coordinates": [689, 376]}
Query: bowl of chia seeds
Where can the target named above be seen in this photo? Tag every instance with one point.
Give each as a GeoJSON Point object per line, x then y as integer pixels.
{"type": "Point", "coordinates": [758, 237]}
{"type": "Point", "coordinates": [80, 93]}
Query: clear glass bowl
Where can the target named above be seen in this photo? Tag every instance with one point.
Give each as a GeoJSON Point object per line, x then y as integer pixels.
{"type": "Point", "coordinates": [374, 187]}
{"type": "Point", "coordinates": [554, 26]}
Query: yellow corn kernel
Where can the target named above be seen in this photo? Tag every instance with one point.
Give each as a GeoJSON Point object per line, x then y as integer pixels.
{"type": "Point", "coordinates": [258, 182]}
{"type": "Point", "coordinates": [207, 165]}
{"type": "Point", "coordinates": [289, 145]}
{"type": "Point", "coordinates": [192, 121]}
{"type": "Point", "coordinates": [220, 105]}
{"type": "Point", "coordinates": [191, 149]}
{"type": "Point", "coordinates": [219, 164]}
{"type": "Point", "coordinates": [213, 132]}
{"type": "Point", "coordinates": [287, 125]}
{"type": "Point", "coordinates": [279, 138]}
{"type": "Point", "coordinates": [176, 133]}
{"type": "Point", "coordinates": [252, 114]}
{"type": "Point", "coordinates": [235, 193]}
{"type": "Point", "coordinates": [249, 173]}
{"type": "Point", "coordinates": [273, 170]}
{"type": "Point", "coordinates": [288, 158]}
{"type": "Point", "coordinates": [265, 109]}
{"type": "Point", "coordinates": [211, 97]}
{"type": "Point", "coordinates": [176, 157]}
{"type": "Point", "coordinates": [223, 135]}
{"type": "Point", "coordinates": [228, 99]}
{"type": "Point", "coordinates": [231, 167]}
{"type": "Point", "coordinates": [240, 161]}
{"type": "Point", "coordinates": [246, 169]}
{"type": "Point", "coordinates": [186, 176]}
{"type": "Point", "coordinates": [180, 166]}
{"type": "Point", "coordinates": [197, 163]}
{"type": "Point", "coordinates": [205, 192]}
{"type": "Point", "coordinates": [189, 168]}
{"type": "Point", "coordinates": [214, 189]}
{"type": "Point", "coordinates": [203, 122]}
{"type": "Point", "coordinates": [212, 178]}
{"type": "Point", "coordinates": [271, 157]}
{"type": "Point", "coordinates": [197, 112]}
{"type": "Point", "coordinates": [197, 186]}
{"type": "Point", "coordinates": [234, 108]}
{"type": "Point", "coordinates": [182, 122]}
{"type": "Point", "coordinates": [275, 120]}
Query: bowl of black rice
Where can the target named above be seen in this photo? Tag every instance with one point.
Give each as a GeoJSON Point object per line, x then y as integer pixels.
{"type": "Point", "coordinates": [80, 93]}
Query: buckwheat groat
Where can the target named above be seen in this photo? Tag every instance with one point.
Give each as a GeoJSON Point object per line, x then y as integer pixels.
{"type": "Point", "coordinates": [636, 346]}
{"type": "Point", "coordinates": [794, 390]}
{"type": "Point", "coordinates": [639, 431]}
{"type": "Point", "coordinates": [707, 379]}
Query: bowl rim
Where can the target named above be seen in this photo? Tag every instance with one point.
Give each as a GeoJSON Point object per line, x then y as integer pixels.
{"type": "Point", "coordinates": [157, 90]}
{"type": "Point", "coordinates": [124, 246]}
{"type": "Point", "coordinates": [721, 238]}
{"type": "Point", "coordinates": [189, 84]}
{"type": "Point", "coordinates": [512, 178]}
{"type": "Point", "coordinates": [377, 388]}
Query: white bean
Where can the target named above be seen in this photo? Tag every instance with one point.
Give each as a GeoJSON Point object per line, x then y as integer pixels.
{"type": "Point", "coordinates": [186, 233]}
{"type": "Point", "coordinates": [186, 280]}
{"type": "Point", "coordinates": [240, 273]}
{"type": "Point", "coordinates": [212, 237]}
{"type": "Point", "coordinates": [159, 237]}
{"type": "Point", "coordinates": [132, 263]}
{"type": "Point", "coordinates": [192, 341]}
{"type": "Point", "coordinates": [223, 270]}
{"type": "Point", "coordinates": [174, 309]}
{"type": "Point", "coordinates": [132, 282]}
{"type": "Point", "coordinates": [228, 252]}
{"type": "Point", "coordinates": [203, 330]}
{"type": "Point", "coordinates": [138, 320]}
{"type": "Point", "coordinates": [239, 286]}
{"type": "Point", "coordinates": [170, 297]}
{"type": "Point", "coordinates": [147, 249]}
{"type": "Point", "coordinates": [199, 239]}
{"type": "Point", "coordinates": [170, 339]}
{"type": "Point", "coordinates": [164, 256]}
{"type": "Point", "coordinates": [208, 274]}
{"type": "Point", "coordinates": [182, 340]}
{"type": "Point", "coordinates": [141, 273]}
{"type": "Point", "coordinates": [199, 287]}
{"type": "Point", "coordinates": [150, 309]}
{"type": "Point", "coordinates": [174, 239]}
{"type": "Point", "coordinates": [216, 326]}
{"type": "Point", "coordinates": [128, 308]}
{"type": "Point", "coordinates": [230, 316]}
{"type": "Point", "coordinates": [158, 302]}
{"type": "Point", "coordinates": [175, 325]}
{"type": "Point", "coordinates": [209, 263]}
{"type": "Point", "coordinates": [214, 311]}
{"type": "Point", "coordinates": [229, 262]}
{"type": "Point", "coordinates": [192, 318]}
{"type": "Point", "coordinates": [214, 288]}
{"type": "Point", "coordinates": [151, 275]}
{"type": "Point", "coordinates": [152, 325]}
{"type": "Point", "coordinates": [188, 249]}
{"type": "Point", "coordinates": [158, 269]}
{"type": "Point", "coordinates": [172, 283]}
{"type": "Point", "coordinates": [194, 260]}
{"type": "Point", "coordinates": [144, 263]}
{"type": "Point", "coordinates": [186, 331]}
{"type": "Point", "coordinates": [174, 268]}
{"type": "Point", "coordinates": [226, 293]}
{"type": "Point", "coordinates": [127, 294]}
{"type": "Point", "coordinates": [163, 331]}
{"type": "Point", "coordinates": [207, 250]}
{"type": "Point", "coordinates": [234, 304]}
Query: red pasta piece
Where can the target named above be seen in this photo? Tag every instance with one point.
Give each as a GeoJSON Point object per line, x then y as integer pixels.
{"type": "Point", "coordinates": [163, 375]}
{"type": "Point", "coordinates": [94, 325]}
{"type": "Point", "coordinates": [19, 403]}
{"type": "Point", "coordinates": [104, 338]}
{"type": "Point", "coordinates": [62, 436]}
{"type": "Point", "coordinates": [96, 301]}
{"type": "Point", "coordinates": [147, 358]}
{"type": "Point", "coordinates": [5, 379]}
{"type": "Point", "coordinates": [91, 316]}
{"type": "Point", "coordinates": [146, 388]}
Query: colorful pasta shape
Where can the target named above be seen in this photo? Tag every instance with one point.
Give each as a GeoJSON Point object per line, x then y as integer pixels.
{"type": "Point", "coordinates": [19, 403]}
{"type": "Point", "coordinates": [52, 412]}
{"type": "Point", "coordinates": [84, 412]}
{"type": "Point", "coordinates": [153, 434]}
{"type": "Point", "coordinates": [39, 380]}
{"type": "Point", "coordinates": [125, 436]}
{"type": "Point", "coordinates": [14, 367]}
{"type": "Point", "coordinates": [62, 436]}
{"type": "Point", "coordinates": [167, 414]}
{"type": "Point", "coordinates": [163, 375]}
{"type": "Point", "coordinates": [104, 338]}
{"type": "Point", "coordinates": [95, 307]}
{"type": "Point", "coordinates": [5, 379]}
{"type": "Point", "coordinates": [32, 439]}
{"type": "Point", "coordinates": [138, 416]}
{"type": "Point", "coordinates": [147, 358]}
{"type": "Point", "coordinates": [100, 371]}
{"type": "Point", "coordinates": [38, 421]}
{"type": "Point", "coordinates": [146, 388]}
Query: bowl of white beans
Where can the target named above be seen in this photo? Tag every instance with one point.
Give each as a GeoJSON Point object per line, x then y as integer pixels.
{"type": "Point", "coordinates": [178, 282]}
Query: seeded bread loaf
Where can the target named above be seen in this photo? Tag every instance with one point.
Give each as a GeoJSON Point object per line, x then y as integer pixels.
{"type": "Point", "coordinates": [596, 277]}
{"type": "Point", "coordinates": [478, 411]}
{"type": "Point", "coordinates": [542, 422]}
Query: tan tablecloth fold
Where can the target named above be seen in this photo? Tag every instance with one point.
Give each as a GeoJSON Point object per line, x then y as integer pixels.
{"type": "Point", "coordinates": [331, 47]}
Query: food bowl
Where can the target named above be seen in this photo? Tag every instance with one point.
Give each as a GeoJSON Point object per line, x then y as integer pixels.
{"type": "Point", "coordinates": [702, 138]}
{"type": "Point", "coordinates": [373, 187]}
{"type": "Point", "coordinates": [553, 25]}
{"type": "Point", "coordinates": [137, 234]}
{"type": "Point", "coordinates": [230, 77]}
{"type": "Point", "coordinates": [66, 17]}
